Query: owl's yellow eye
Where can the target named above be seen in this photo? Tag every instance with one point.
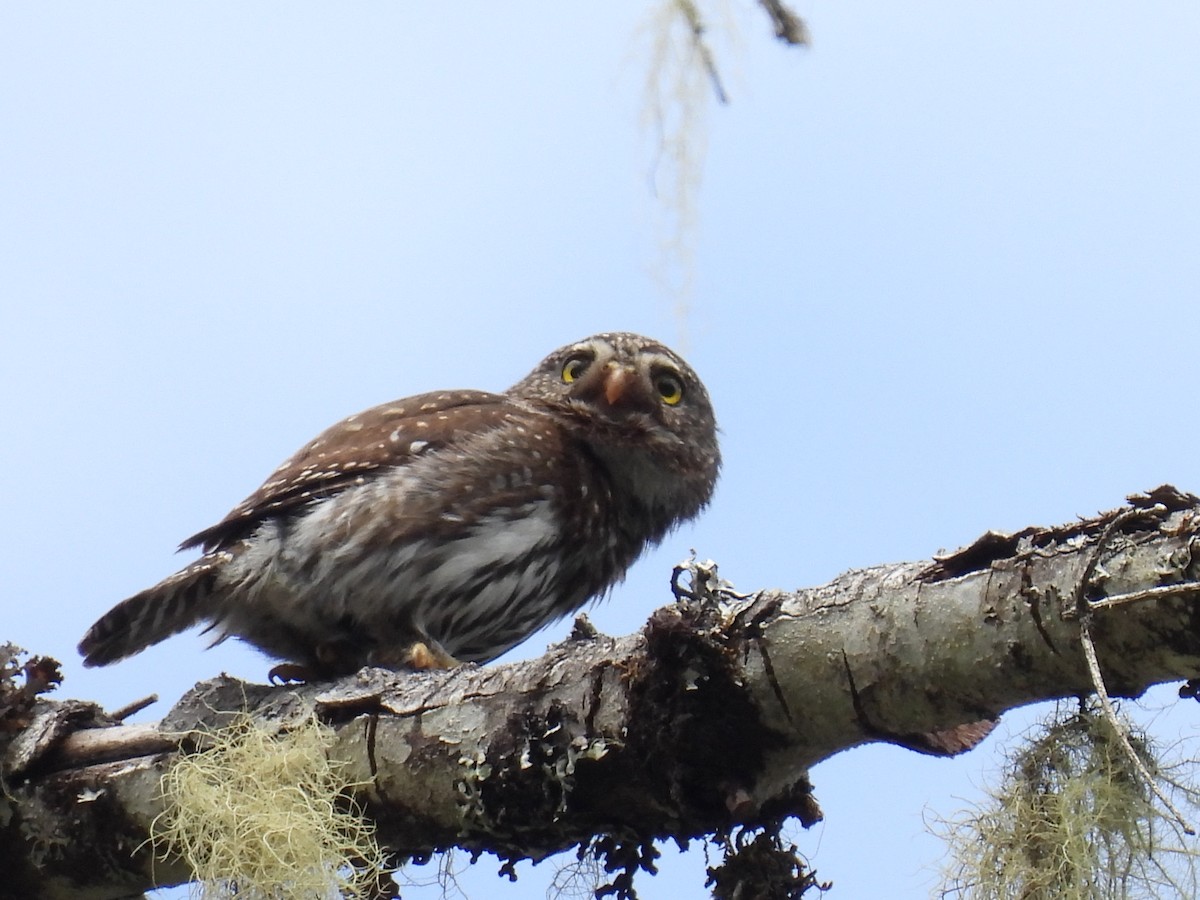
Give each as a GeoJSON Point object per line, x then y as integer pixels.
{"type": "Point", "coordinates": [669, 388]}
{"type": "Point", "coordinates": [574, 368]}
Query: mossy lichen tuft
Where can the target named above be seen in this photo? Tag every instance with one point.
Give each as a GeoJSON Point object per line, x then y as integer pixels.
{"type": "Point", "coordinates": [263, 813]}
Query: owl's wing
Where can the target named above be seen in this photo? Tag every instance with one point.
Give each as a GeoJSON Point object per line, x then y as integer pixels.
{"type": "Point", "coordinates": [382, 437]}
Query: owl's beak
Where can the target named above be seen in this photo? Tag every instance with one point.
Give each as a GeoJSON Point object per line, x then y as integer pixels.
{"type": "Point", "coordinates": [617, 381]}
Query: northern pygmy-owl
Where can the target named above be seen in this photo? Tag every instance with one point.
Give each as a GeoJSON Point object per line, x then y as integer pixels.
{"type": "Point", "coordinates": [448, 526]}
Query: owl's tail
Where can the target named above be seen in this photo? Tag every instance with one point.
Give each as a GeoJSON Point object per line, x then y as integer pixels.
{"type": "Point", "coordinates": [154, 615]}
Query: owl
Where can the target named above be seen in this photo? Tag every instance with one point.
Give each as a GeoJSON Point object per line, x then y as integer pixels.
{"type": "Point", "coordinates": [446, 527]}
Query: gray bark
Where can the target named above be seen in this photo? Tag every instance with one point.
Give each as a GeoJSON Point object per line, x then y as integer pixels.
{"type": "Point", "coordinates": [708, 719]}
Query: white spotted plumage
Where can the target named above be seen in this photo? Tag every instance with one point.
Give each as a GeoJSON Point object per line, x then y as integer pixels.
{"type": "Point", "coordinates": [460, 520]}
{"type": "Point", "coordinates": [288, 572]}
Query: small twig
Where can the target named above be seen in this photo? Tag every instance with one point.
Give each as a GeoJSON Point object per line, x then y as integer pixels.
{"type": "Point", "coordinates": [789, 27]}
{"type": "Point", "coordinates": [687, 567]}
{"type": "Point", "coordinates": [1110, 714]}
{"type": "Point", "coordinates": [1081, 604]}
{"type": "Point", "coordinates": [1161, 592]}
{"type": "Point", "coordinates": [94, 745]}
{"type": "Point", "coordinates": [705, 585]}
{"type": "Point", "coordinates": [129, 709]}
{"type": "Point", "coordinates": [696, 26]}
{"type": "Point", "coordinates": [1083, 608]}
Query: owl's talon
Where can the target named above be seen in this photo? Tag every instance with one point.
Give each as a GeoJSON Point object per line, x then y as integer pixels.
{"type": "Point", "coordinates": [286, 673]}
{"type": "Point", "coordinates": [423, 657]}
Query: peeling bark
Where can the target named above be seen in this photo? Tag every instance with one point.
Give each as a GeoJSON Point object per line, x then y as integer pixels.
{"type": "Point", "coordinates": [706, 720]}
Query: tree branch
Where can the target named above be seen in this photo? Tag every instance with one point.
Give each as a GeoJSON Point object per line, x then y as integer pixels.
{"type": "Point", "coordinates": [707, 719]}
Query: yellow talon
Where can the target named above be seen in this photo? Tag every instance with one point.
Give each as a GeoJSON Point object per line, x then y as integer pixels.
{"type": "Point", "coordinates": [422, 656]}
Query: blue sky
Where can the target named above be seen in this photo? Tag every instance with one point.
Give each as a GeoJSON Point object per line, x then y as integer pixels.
{"type": "Point", "coordinates": [945, 281]}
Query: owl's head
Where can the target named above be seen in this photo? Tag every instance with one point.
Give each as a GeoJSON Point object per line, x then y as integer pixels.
{"type": "Point", "coordinates": [640, 409]}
